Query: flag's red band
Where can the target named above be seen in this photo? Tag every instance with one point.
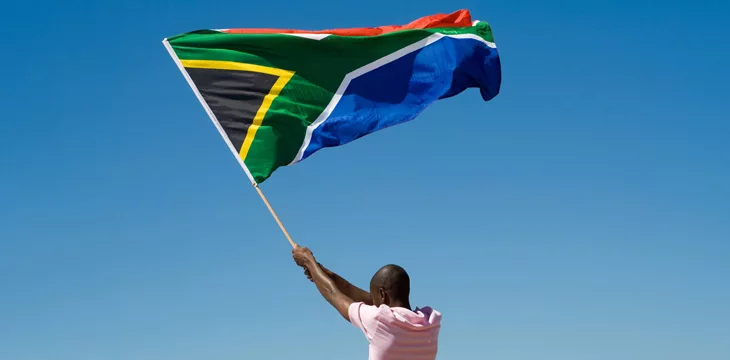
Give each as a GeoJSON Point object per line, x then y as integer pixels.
{"type": "Point", "coordinates": [461, 18]}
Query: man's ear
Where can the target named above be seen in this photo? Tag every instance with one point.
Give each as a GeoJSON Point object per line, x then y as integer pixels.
{"type": "Point", "coordinates": [383, 296]}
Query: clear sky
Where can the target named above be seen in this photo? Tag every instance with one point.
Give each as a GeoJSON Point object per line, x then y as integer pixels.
{"type": "Point", "coordinates": [582, 214]}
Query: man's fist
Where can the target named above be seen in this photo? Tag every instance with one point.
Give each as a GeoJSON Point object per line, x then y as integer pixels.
{"type": "Point", "coordinates": [303, 257]}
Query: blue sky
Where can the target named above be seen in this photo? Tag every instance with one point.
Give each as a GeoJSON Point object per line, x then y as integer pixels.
{"type": "Point", "coordinates": [582, 214]}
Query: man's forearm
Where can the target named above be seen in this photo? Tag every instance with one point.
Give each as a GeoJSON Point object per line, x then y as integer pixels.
{"type": "Point", "coordinates": [351, 291]}
{"type": "Point", "coordinates": [329, 290]}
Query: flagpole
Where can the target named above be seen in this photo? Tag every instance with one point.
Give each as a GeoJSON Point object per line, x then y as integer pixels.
{"type": "Point", "coordinates": [225, 138]}
{"type": "Point", "coordinates": [273, 213]}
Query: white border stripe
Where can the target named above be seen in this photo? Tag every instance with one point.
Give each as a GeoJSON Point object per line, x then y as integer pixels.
{"type": "Point", "coordinates": [307, 35]}
{"type": "Point", "coordinates": [207, 109]}
{"type": "Point", "coordinates": [370, 67]}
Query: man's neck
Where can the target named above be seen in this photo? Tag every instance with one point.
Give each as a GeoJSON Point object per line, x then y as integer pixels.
{"type": "Point", "coordinates": [402, 304]}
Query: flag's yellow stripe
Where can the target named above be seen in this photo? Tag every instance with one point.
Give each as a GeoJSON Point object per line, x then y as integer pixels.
{"type": "Point", "coordinates": [284, 77]}
{"type": "Point", "coordinates": [265, 105]}
{"type": "Point", "coordinates": [231, 65]}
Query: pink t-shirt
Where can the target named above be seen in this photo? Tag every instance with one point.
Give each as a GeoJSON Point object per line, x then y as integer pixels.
{"type": "Point", "coordinates": [398, 333]}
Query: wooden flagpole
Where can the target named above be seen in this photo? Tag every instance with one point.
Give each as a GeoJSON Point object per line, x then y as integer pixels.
{"type": "Point", "coordinates": [273, 213]}
{"type": "Point", "coordinates": [228, 141]}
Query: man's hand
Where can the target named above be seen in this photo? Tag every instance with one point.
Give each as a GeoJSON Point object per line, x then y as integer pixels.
{"type": "Point", "coordinates": [304, 258]}
{"type": "Point", "coordinates": [301, 257]}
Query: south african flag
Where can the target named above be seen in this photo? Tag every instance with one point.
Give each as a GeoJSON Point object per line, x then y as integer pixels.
{"type": "Point", "coordinates": [277, 96]}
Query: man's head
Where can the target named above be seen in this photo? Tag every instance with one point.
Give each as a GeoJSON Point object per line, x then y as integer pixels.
{"type": "Point", "coordinates": [390, 286]}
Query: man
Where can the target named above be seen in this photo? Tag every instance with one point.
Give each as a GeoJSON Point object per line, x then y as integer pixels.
{"type": "Point", "coordinates": [384, 314]}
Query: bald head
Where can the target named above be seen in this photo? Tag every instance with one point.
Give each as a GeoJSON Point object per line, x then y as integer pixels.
{"type": "Point", "coordinates": [391, 286]}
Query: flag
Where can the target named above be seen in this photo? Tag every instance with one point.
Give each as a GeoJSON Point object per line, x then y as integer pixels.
{"type": "Point", "coordinates": [278, 96]}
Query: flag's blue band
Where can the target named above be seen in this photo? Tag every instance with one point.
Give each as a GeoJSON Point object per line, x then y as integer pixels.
{"type": "Point", "coordinates": [398, 91]}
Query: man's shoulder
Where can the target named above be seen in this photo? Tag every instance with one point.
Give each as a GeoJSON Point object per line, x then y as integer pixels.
{"type": "Point", "coordinates": [360, 311]}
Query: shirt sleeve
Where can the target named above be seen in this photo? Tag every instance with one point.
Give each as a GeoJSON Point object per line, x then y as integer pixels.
{"type": "Point", "coordinates": [364, 317]}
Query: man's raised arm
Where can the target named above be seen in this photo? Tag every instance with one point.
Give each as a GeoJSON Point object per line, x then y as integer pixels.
{"type": "Point", "coordinates": [326, 285]}
{"type": "Point", "coordinates": [352, 291]}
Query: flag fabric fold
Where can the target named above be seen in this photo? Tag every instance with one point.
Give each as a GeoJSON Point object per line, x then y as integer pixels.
{"type": "Point", "coordinates": [278, 96]}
